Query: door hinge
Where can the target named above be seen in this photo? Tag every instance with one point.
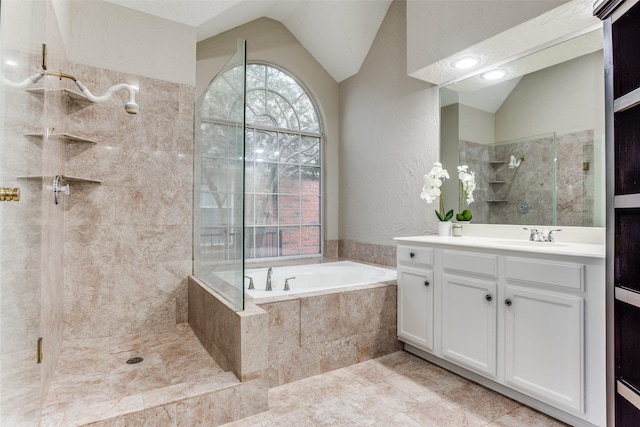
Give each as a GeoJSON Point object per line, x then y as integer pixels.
{"type": "Point", "coordinates": [39, 351]}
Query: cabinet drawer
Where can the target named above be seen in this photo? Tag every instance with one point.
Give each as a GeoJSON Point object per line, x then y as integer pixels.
{"type": "Point", "coordinates": [562, 274]}
{"type": "Point", "coordinates": [469, 262]}
{"type": "Point", "coordinates": [410, 255]}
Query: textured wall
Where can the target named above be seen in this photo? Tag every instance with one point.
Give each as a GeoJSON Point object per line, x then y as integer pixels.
{"type": "Point", "coordinates": [128, 240]}
{"type": "Point", "coordinates": [389, 139]}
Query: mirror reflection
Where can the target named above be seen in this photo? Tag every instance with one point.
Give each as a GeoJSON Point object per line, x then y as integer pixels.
{"type": "Point", "coordinates": [534, 138]}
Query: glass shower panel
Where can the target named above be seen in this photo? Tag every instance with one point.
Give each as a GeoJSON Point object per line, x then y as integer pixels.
{"type": "Point", "coordinates": [22, 381]}
{"type": "Point", "coordinates": [516, 180]}
{"type": "Point", "coordinates": [219, 164]}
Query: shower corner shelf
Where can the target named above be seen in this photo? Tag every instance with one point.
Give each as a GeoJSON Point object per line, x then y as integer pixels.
{"type": "Point", "coordinates": [497, 201]}
{"type": "Point", "coordinates": [497, 162]}
{"type": "Point", "coordinates": [74, 96]}
{"type": "Point", "coordinates": [496, 182]}
{"type": "Point", "coordinates": [63, 178]}
{"type": "Point", "coordinates": [70, 138]}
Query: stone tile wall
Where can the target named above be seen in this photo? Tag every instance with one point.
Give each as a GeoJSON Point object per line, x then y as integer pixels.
{"type": "Point", "coordinates": [367, 252]}
{"type": "Point", "coordinates": [315, 334]}
{"type": "Point", "coordinates": [532, 181]}
{"type": "Point", "coordinates": [128, 240]}
{"type": "Point", "coordinates": [236, 340]}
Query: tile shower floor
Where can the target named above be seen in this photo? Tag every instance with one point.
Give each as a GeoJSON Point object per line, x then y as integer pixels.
{"type": "Point", "coordinates": [93, 381]}
{"type": "Point", "coordinates": [394, 390]}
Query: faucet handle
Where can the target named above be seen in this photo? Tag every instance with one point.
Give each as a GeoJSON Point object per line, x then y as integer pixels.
{"type": "Point", "coordinates": [250, 282]}
{"type": "Point", "coordinates": [550, 235]}
{"type": "Point", "coordinates": [535, 234]}
{"type": "Point", "coordinates": [286, 283]}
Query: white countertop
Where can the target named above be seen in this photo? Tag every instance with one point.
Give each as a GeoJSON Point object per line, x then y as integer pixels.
{"type": "Point", "coordinates": [591, 250]}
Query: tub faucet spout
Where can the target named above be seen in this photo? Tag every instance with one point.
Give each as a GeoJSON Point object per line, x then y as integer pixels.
{"type": "Point", "coordinates": [269, 272]}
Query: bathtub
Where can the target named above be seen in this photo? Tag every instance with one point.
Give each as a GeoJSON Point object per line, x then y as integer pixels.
{"type": "Point", "coordinates": [315, 277]}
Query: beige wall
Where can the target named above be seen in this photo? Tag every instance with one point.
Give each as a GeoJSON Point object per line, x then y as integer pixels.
{"type": "Point", "coordinates": [269, 41]}
{"type": "Point", "coordinates": [438, 29]}
{"type": "Point", "coordinates": [389, 139]}
{"type": "Point", "coordinates": [566, 98]}
{"type": "Point", "coordinates": [112, 37]}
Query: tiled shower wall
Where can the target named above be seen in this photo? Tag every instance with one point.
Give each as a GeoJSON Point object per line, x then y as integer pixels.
{"type": "Point", "coordinates": [128, 240]}
{"type": "Point", "coordinates": [533, 181]}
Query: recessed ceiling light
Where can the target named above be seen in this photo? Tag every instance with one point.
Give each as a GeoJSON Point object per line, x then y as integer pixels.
{"type": "Point", "coordinates": [466, 62]}
{"type": "Point", "coordinates": [496, 74]}
{"type": "Point", "coordinates": [11, 63]}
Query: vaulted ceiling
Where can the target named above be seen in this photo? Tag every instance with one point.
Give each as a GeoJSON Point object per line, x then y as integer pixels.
{"type": "Point", "coordinates": [338, 33]}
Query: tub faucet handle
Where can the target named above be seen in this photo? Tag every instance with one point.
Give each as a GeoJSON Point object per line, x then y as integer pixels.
{"type": "Point", "coordinates": [250, 282]}
{"type": "Point", "coordinates": [286, 283]}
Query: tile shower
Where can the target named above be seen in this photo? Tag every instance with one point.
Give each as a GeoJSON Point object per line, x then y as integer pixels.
{"type": "Point", "coordinates": [116, 256]}
{"type": "Point", "coordinates": [525, 194]}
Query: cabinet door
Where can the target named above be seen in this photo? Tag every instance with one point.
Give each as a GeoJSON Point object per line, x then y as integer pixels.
{"type": "Point", "coordinates": [469, 323]}
{"type": "Point", "coordinates": [415, 307]}
{"type": "Point", "coordinates": [544, 354]}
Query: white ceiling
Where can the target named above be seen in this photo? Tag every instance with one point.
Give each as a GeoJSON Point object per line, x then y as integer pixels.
{"type": "Point", "coordinates": [338, 33]}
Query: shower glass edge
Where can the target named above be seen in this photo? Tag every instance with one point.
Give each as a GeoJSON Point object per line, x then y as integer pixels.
{"type": "Point", "coordinates": [218, 181]}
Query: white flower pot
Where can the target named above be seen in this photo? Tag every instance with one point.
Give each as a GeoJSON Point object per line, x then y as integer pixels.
{"type": "Point", "coordinates": [444, 228]}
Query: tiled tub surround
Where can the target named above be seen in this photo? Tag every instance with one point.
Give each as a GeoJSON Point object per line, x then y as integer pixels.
{"type": "Point", "coordinates": [284, 339]}
{"type": "Point", "coordinates": [367, 252]}
{"type": "Point", "coordinates": [327, 330]}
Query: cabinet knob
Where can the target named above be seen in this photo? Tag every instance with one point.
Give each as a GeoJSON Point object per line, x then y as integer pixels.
{"type": "Point", "coordinates": [412, 255]}
{"type": "Point", "coordinates": [426, 283]}
{"type": "Point", "coordinates": [508, 302]}
{"type": "Point", "coordinates": [488, 297]}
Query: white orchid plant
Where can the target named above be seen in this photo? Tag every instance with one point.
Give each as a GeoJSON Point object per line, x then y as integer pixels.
{"type": "Point", "coordinates": [432, 190]}
{"type": "Point", "coordinates": [467, 186]}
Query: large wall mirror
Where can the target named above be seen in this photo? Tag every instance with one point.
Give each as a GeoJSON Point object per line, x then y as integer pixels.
{"type": "Point", "coordinates": [534, 138]}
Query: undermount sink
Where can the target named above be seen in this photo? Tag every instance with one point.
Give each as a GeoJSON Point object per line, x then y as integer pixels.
{"type": "Point", "coordinates": [529, 243]}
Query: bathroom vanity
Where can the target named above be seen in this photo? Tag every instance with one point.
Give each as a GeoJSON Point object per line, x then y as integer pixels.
{"type": "Point", "coordinates": [524, 318]}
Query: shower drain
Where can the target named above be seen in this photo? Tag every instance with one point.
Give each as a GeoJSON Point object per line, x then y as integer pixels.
{"type": "Point", "coordinates": [134, 360]}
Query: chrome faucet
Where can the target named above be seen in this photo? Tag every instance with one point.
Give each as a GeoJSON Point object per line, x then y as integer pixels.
{"type": "Point", "coordinates": [541, 236]}
{"type": "Point", "coordinates": [535, 234]}
{"type": "Point", "coordinates": [250, 282]}
{"type": "Point", "coordinates": [269, 272]}
{"type": "Point", "coordinates": [549, 237]}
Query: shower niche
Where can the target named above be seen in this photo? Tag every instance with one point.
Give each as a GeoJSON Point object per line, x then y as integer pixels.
{"type": "Point", "coordinates": [73, 101]}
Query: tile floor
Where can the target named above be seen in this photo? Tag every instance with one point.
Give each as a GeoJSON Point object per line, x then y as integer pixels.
{"type": "Point", "coordinates": [93, 381]}
{"type": "Point", "coordinates": [394, 390]}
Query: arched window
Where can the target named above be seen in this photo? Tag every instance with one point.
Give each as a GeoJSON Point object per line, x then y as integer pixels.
{"type": "Point", "coordinates": [283, 140]}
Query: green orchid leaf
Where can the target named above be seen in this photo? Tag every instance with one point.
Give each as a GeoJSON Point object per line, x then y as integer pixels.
{"type": "Point", "coordinates": [448, 215]}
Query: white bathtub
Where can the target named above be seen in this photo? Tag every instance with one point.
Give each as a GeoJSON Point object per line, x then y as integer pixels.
{"type": "Point", "coordinates": [315, 277]}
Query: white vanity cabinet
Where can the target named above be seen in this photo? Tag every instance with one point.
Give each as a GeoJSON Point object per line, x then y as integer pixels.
{"type": "Point", "coordinates": [543, 340]}
{"type": "Point", "coordinates": [544, 329]}
{"type": "Point", "coordinates": [469, 315]}
{"type": "Point", "coordinates": [415, 296]}
{"type": "Point", "coordinates": [528, 324]}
